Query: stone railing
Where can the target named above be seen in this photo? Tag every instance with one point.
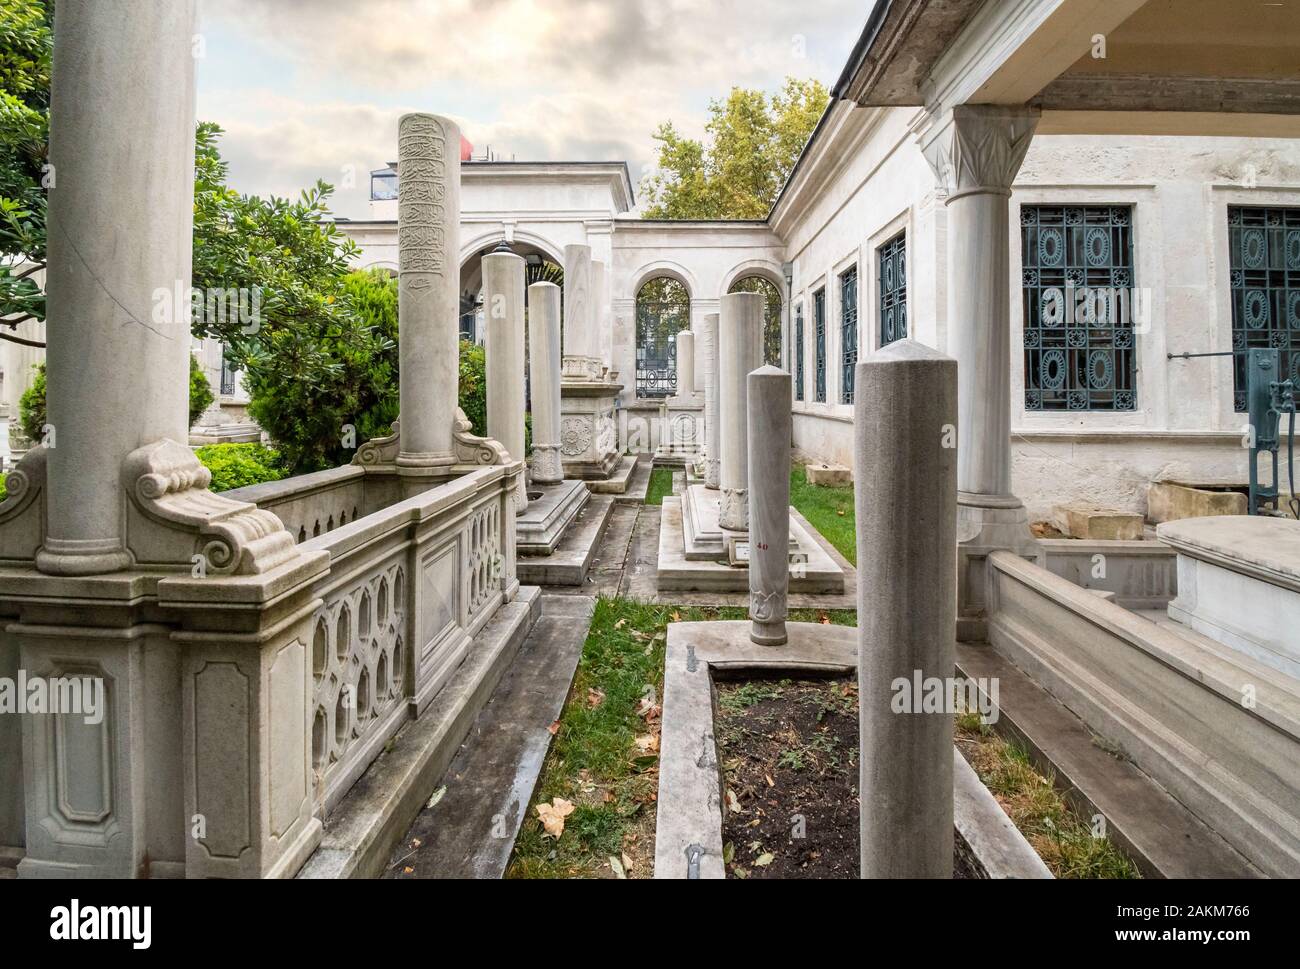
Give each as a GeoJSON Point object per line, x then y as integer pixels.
{"type": "Point", "coordinates": [366, 678]}
{"type": "Point", "coordinates": [1176, 705]}
{"type": "Point", "coordinates": [311, 505]}
{"type": "Point", "coordinates": [1142, 575]}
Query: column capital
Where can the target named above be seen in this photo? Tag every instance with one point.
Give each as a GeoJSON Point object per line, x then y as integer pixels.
{"type": "Point", "coordinates": [978, 148]}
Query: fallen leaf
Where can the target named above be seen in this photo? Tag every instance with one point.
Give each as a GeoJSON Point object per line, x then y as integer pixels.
{"type": "Point", "coordinates": [825, 620]}
{"type": "Point", "coordinates": [407, 871]}
{"type": "Point", "coordinates": [617, 867]}
{"type": "Point", "coordinates": [620, 624]}
{"type": "Point", "coordinates": [765, 859]}
{"type": "Point", "coordinates": [647, 744]}
{"type": "Point", "coordinates": [733, 802]}
{"type": "Point", "coordinates": [677, 616]}
{"type": "Point", "coordinates": [595, 697]}
{"type": "Point", "coordinates": [554, 728]}
{"type": "Point", "coordinates": [728, 853]}
{"type": "Point", "coordinates": [648, 709]}
{"type": "Point", "coordinates": [627, 862]}
{"type": "Point", "coordinates": [437, 796]}
{"type": "Point", "coordinates": [738, 872]}
{"type": "Point", "coordinates": [553, 815]}
{"type": "Point", "coordinates": [770, 782]}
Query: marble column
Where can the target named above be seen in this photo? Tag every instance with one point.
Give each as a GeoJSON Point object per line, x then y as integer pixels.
{"type": "Point", "coordinates": [905, 476]}
{"type": "Point", "coordinates": [975, 152]}
{"type": "Point", "coordinates": [712, 435]}
{"type": "Point", "coordinates": [544, 365]}
{"type": "Point", "coordinates": [740, 335]}
{"type": "Point", "coordinates": [685, 340]}
{"type": "Point", "coordinates": [428, 243]}
{"type": "Point", "coordinates": [503, 304]}
{"type": "Point", "coordinates": [120, 224]}
{"type": "Point", "coordinates": [578, 309]}
{"type": "Point", "coordinates": [769, 429]}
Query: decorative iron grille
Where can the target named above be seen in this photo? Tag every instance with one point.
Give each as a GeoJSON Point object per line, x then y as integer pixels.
{"type": "Point", "coordinates": [663, 309]}
{"type": "Point", "coordinates": [819, 335]}
{"type": "Point", "coordinates": [798, 353]}
{"type": "Point", "coordinates": [1264, 267]}
{"type": "Point", "coordinates": [1077, 285]}
{"type": "Point", "coordinates": [893, 289]}
{"type": "Point", "coordinates": [848, 332]}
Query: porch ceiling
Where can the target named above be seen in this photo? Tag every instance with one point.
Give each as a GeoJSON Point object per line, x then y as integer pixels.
{"type": "Point", "coordinates": [1197, 67]}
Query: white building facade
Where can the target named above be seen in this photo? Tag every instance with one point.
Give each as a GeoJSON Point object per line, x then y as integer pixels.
{"type": "Point", "coordinates": [856, 246]}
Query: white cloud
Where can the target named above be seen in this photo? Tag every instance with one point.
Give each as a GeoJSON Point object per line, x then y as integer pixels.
{"type": "Point", "coordinates": [536, 79]}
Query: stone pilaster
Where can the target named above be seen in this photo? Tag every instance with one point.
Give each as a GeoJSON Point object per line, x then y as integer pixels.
{"type": "Point", "coordinates": [905, 472]}
{"type": "Point", "coordinates": [544, 365]}
{"type": "Point", "coordinates": [740, 334]}
{"type": "Point", "coordinates": [976, 152]}
{"type": "Point", "coordinates": [681, 416]}
{"type": "Point", "coordinates": [503, 300]}
{"type": "Point", "coordinates": [428, 241]}
{"type": "Point", "coordinates": [579, 308]}
{"type": "Point", "coordinates": [769, 428]}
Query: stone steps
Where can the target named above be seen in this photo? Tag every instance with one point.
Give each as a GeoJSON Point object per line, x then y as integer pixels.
{"type": "Point", "coordinates": [1162, 836]}
{"type": "Point", "coordinates": [572, 559]}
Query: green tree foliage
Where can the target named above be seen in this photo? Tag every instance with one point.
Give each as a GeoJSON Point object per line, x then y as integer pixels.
{"type": "Point", "coordinates": [473, 385]}
{"type": "Point", "coordinates": [323, 386]}
{"type": "Point", "coordinates": [26, 48]}
{"type": "Point", "coordinates": [753, 143]}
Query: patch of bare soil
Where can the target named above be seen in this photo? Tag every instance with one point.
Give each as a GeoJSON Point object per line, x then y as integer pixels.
{"type": "Point", "coordinates": [789, 751]}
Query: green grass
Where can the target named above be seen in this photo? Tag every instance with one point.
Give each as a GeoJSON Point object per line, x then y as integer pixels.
{"type": "Point", "coordinates": [594, 761]}
{"type": "Point", "coordinates": [661, 486]}
{"type": "Point", "coordinates": [829, 510]}
{"type": "Point", "coordinates": [1062, 838]}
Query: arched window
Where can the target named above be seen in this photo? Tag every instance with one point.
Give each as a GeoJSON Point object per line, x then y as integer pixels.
{"type": "Point", "coordinates": [663, 309]}
{"type": "Point", "coordinates": [771, 315]}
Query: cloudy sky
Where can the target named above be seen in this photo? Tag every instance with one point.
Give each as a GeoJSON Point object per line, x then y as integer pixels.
{"type": "Point", "coordinates": [311, 89]}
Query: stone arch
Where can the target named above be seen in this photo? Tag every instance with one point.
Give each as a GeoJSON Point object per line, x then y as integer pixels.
{"type": "Point", "coordinates": [665, 267]}
{"type": "Point", "coordinates": [760, 276]}
{"type": "Point", "coordinates": [386, 265]}
{"type": "Point", "coordinates": [526, 244]}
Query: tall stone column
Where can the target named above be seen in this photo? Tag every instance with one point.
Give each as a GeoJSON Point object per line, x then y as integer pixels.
{"type": "Point", "coordinates": [905, 471]}
{"type": "Point", "coordinates": [120, 225]}
{"type": "Point", "coordinates": [740, 350]}
{"type": "Point", "coordinates": [428, 245]}
{"type": "Point", "coordinates": [769, 429]}
{"type": "Point", "coordinates": [598, 319]}
{"type": "Point", "coordinates": [976, 152]}
{"type": "Point", "coordinates": [544, 365]}
{"type": "Point", "coordinates": [503, 301]}
{"type": "Point", "coordinates": [578, 310]}
{"type": "Point", "coordinates": [712, 432]}
{"type": "Point", "coordinates": [685, 340]}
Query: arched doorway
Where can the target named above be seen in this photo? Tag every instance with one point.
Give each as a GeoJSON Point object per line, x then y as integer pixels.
{"type": "Point", "coordinates": [663, 309]}
{"type": "Point", "coordinates": [539, 266]}
{"type": "Point", "coordinates": [771, 313]}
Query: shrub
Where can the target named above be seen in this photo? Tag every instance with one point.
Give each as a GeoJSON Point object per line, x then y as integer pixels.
{"type": "Point", "coordinates": [308, 386]}
{"type": "Point", "coordinates": [473, 385]}
{"type": "Point", "coordinates": [240, 465]}
{"type": "Point", "coordinates": [201, 396]}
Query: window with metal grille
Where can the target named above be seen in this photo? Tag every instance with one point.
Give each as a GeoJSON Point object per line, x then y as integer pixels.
{"type": "Point", "coordinates": [1077, 289]}
{"type": "Point", "coordinates": [848, 332]}
{"type": "Point", "coordinates": [798, 353]}
{"type": "Point", "coordinates": [663, 309]}
{"type": "Point", "coordinates": [1264, 270]}
{"type": "Point", "coordinates": [819, 335]}
{"type": "Point", "coordinates": [892, 283]}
